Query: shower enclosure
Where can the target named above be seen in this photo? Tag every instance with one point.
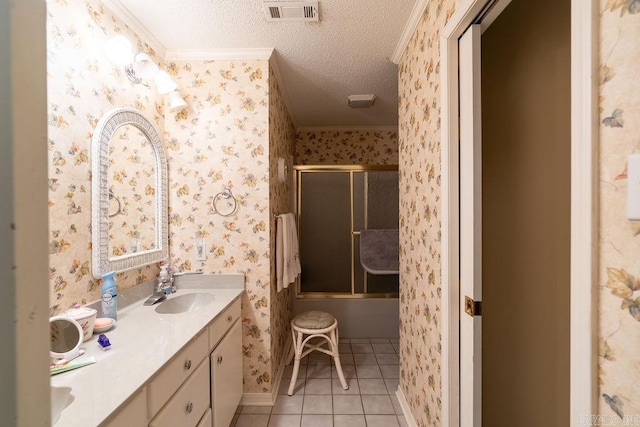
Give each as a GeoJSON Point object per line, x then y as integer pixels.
{"type": "Point", "coordinates": [334, 203]}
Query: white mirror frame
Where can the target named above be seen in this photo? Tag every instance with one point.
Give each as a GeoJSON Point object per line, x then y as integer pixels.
{"type": "Point", "coordinates": [108, 124]}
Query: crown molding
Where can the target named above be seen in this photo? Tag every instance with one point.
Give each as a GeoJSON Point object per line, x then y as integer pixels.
{"type": "Point", "coordinates": [410, 27]}
{"type": "Point", "coordinates": [134, 25]}
{"type": "Point", "coordinates": [218, 54]}
{"type": "Point", "coordinates": [347, 129]}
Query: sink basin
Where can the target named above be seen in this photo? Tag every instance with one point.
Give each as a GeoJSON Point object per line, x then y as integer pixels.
{"type": "Point", "coordinates": [61, 397]}
{"type": "Point", "coordinates": [184, 303]}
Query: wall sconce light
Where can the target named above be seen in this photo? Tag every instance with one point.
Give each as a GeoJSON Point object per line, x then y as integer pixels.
{"type": "Point", "coordinates": [164, 83]}
{"type": "Point", "coordinates": [144, 67]}
{"type": "Point", "coordinates": [141, 68]}
{"type": "Point", "coordinates": [176, 102]}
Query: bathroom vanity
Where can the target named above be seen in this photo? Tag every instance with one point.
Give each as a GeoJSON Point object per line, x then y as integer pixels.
{"type": "Point", "coordinates": [177, 363]}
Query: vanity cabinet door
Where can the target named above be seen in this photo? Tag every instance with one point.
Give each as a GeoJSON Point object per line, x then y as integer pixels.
{"type": "Point", "coordinates": [226, 377]}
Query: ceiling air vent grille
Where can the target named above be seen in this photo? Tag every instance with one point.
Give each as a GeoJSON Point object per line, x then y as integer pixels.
{"type": "Point", "coordinates": [291, 11]}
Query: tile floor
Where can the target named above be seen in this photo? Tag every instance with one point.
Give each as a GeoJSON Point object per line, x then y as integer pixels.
{"type": "Point", "coordinates": [371, 367]}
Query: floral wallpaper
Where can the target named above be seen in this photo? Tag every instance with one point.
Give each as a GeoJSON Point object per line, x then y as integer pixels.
{"type": "Point", "coordinates": [224, 139]}
{"type": "Point", "coordinates": [419, 164]}
{"type": "Point", "coordinates": [619, 360]}
{"type": "Point", "coordinates": [338, 147]}
{"type": "Point", "coordinates": [132, 192]}
{"type": "Point", "coordinates": [281, 143]}
{"type": "Point", "coordinates": [82, 85]}
{"type": "Point", "coordinates": [419, 136]}
{"type": "Point", "coordinates": [229, 136]}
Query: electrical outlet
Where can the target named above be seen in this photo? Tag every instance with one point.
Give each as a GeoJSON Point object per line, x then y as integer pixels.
{"type": "Point", "coordinates": [201, 250]}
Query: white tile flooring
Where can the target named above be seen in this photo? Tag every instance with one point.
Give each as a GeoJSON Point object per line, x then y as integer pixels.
{"type": "Point", "coordinates": [371, 367]}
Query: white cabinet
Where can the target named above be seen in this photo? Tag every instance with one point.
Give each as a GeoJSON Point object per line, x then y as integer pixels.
{"type": "Point", "coordinates": [205, 421]}
{"type": "Point", "coordinates": [190, 402]}
{"type": "Point", "coordinates": [223, 323]}
{"type": "Point", "coordinates": [174, 373]}
{"type": "Point", "coordinates": [226, 377]}
{"type": "Point", "coordinates": [201, 386]}
{"type": "Point", "coordinates": [132, 414]}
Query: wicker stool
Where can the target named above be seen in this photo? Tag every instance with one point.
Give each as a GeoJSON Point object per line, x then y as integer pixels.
{"type": "Point", "coordinates": [315, 324]}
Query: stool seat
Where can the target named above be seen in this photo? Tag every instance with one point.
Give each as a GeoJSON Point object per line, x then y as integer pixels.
{"type": "Point", "coordinates": [313, 320]}
{"type": "Point", "coordinates": [317, 325]}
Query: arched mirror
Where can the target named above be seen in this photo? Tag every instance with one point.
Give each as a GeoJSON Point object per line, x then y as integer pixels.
{"type": "Point", "coordinates": [129, 193]}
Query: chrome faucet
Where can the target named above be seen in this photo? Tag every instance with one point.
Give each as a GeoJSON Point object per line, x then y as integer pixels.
{"type": "Point", "coordinates": [164, 286]}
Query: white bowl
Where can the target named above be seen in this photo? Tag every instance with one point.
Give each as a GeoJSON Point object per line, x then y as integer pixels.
{"type": "Point", "coordinates": [85, 316]}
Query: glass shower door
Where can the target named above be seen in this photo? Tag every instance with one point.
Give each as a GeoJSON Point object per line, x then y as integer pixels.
{"type": "Point", "coordinates": [325, 223]}
{"type": "Point", "coordinates": [334, 204]}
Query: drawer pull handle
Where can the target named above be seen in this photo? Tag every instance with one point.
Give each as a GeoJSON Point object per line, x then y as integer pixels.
{"type": "Point", "coordinates": [187, 365]}
{"type": "Point", "coordinates": [219, 360]}
{"type": "Point", "coordinates": [189, 408]}
{"type": "Point", "coordinates": [229, 318]}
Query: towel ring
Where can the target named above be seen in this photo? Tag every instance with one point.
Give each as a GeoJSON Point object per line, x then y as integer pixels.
{"type": "Point", "coordinates": [231, 204]}
{"type": "Point", "coordinates": [114, 210]}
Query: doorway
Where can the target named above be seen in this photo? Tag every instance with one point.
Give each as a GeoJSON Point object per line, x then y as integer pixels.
{"type": "Point", "coordinates": [526, 193]}
{"type": "Point", "coordinates": [515, 239]}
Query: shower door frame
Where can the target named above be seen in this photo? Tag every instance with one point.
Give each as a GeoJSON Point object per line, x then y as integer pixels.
{"type": "Point", "coordinates": [351, 169]}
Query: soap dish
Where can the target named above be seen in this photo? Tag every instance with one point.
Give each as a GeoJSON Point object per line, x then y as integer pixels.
{"type": "Point", "coordinates": [103, 324]}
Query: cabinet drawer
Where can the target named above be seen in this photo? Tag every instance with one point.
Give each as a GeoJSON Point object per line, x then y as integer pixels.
{"type": "Point", "coordinates": [205, 421]}
{"type": "Point", "coordinates": [162, 387]}
{"type": "Point", "coordinates": [223, 322]}
{"type": "Point", "coordinates": [191, 401]}
{"type": "Point", "coordinates": [133, 413]}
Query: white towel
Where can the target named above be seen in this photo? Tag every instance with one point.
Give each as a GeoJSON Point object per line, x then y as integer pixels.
{"type": "Point", "coordinates": [287, 256]}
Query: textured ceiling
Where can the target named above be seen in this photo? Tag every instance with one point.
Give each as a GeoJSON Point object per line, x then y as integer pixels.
{"type": "Point", "coordinates": [321, 63]}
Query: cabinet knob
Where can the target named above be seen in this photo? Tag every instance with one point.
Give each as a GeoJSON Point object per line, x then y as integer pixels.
{"type": "Point", "coordinates": [229, 318]}
{"type": "Point", "coordinates": [187, 365]}
{"type": "Point", "coordinates": [189, 408]}
{"type": "Point", "coordinates": [219, 359]}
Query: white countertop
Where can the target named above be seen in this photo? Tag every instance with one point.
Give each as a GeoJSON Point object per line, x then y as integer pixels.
{"type": "Point", "coordinates": [142, 342]}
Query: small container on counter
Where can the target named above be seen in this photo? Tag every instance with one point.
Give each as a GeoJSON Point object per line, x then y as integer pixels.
{"type": "Point", "coordinates": [85, 316]}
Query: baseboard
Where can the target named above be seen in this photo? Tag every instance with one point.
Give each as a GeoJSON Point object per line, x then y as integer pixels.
{"type": "Point", "coordinates": [268, 399]}
{"type": "Point", "coordinates": [278, 379]}
{"type": "Point", "coordinates": [256, 399]}
{"type": "Point", "coordinates": [411, 422]}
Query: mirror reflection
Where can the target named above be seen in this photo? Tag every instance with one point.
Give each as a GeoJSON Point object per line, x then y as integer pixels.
{"type": "Point", "coordinates": [65, 338]}
{"type": "Point", "coordinates": [132, 192]}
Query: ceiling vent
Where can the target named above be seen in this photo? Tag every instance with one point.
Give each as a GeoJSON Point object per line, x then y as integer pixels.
{"type": "Point", "coordinates": [279, 11]}
{"type": "Point", "coordinates": [361, 101]}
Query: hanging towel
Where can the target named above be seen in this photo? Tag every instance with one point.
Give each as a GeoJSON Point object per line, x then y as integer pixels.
{"type": "Point", "coordinates": [379, 251]}
{"type": "Point", "coordinates": [287, 256]}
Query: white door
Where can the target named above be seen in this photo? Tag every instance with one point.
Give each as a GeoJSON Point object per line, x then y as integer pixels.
{"type": "Point", "coordinates": [470, 229]}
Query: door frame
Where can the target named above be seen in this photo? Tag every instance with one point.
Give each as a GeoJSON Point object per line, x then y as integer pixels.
{"type": "Point", "coordinates": [584, 205]}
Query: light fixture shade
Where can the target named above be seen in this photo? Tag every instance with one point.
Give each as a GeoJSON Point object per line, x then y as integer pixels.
{"type": "Point", "coordinates": [164, 83]}
{"type": "Point", "coordinates": [144, 67]}
{"type": "Point", "coordinates": [176, 102]}
{"type": "Point", "coordinates": [119, 50]}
